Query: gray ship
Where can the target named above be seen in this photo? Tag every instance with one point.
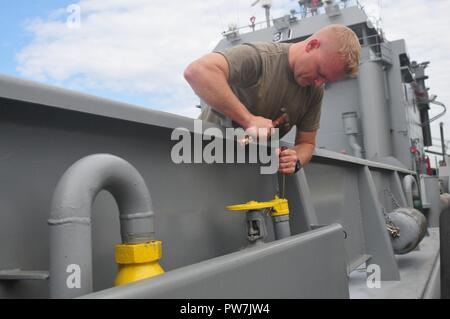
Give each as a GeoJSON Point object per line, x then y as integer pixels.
{"type": "Point", "coordinates": [90, 194]}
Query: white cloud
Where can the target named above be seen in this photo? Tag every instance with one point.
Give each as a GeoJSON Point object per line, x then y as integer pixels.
{"type": "Point", "coordinates": [142, 47]}
{"type": "Point", "coordinates": [135, 46]}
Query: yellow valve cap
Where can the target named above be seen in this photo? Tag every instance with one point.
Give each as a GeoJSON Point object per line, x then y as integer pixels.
{"type": "Point", "coordinates": [252, 205]}
{"type": "Point", "coordinates": [279, 205]}
{"type": "Point", "coordinates": [138, 253]}
{"type": "Point", "coordinates": [134, 272]}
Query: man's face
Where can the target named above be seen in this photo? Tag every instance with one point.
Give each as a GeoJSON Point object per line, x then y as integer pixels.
{"type": "Point", "coordinates": [318, 66]}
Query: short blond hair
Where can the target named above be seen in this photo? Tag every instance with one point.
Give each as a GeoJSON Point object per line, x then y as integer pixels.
{"type": "Point", "coordinates": [348, 45]}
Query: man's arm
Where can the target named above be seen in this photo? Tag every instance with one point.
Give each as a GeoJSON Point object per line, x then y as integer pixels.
{"type": "Point", "coordinates": [305, 142]}
{"type": "Point", "coordinates": [208, 77]}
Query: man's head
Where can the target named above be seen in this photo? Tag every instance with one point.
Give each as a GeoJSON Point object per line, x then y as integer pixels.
{"type": "Point", "coordinates": [329, 55]}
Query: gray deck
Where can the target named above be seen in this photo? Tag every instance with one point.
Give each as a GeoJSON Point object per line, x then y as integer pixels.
{"type": "Point", "coordinates": [418, 271]}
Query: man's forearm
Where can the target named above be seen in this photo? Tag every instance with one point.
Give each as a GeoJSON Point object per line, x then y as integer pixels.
{"type": "Point", "coordinates": [304, 152]}
{"type": "Point", "coordinates": [210, 84]}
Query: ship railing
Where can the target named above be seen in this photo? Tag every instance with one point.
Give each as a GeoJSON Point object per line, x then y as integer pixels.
{"type": "Point", "coordinates": [294, 16]}
{"type": "Point", "coordinates": [380, 48]}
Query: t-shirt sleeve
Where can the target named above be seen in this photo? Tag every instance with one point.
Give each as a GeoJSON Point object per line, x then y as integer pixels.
{"type": "Point", "coordinates": [244, 63]}
{"type": "Point", "coordinates": [311, 120]}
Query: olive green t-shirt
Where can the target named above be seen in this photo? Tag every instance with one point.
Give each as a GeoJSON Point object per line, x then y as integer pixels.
{"type": "Point", "coordinates": [262, 79]}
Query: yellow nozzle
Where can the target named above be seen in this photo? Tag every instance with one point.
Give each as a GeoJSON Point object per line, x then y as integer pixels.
{"type": "Point", "coordinates": [138, 261]}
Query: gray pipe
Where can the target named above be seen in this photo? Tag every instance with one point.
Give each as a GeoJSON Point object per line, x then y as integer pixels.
{"type": "Point", "coordinates": [350, 120]}
{"type": "Point", "coordinates": [410, 188]}
{"type": "Point", "coordinates": [357, 149]}
{"type": "Point", "coordinates": [70, 218]}
{"type": "Point", "coordinates": [281, 226]}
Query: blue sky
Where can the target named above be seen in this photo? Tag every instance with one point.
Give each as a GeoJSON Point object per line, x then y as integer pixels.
{"type": "Point", "coordinates": [14, 17]}
{"type": "Point", "coordinates": [136, 50]}
{"type": "Point", "coordinates": [13, 37]}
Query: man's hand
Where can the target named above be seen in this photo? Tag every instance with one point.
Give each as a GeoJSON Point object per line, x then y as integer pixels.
{"type": "Point", "coordinates": [288, 159]}
{"type": "Point", "coordinates": [259, 126]}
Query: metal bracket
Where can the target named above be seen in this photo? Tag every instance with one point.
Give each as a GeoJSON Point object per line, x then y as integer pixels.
{"type": "Point", "coordinates": [17, 274]}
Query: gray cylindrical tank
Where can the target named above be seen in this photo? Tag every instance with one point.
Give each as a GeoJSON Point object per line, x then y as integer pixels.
{"type": "Point", "coordinates": [413, 227]}
{"type": "Point", "coordinates": [374, 112]}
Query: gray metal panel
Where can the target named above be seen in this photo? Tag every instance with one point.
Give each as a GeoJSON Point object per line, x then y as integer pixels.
{"type": "Point", "coordinates": [378, 244]}
{"type": "Point", "coordinates": [28, 91]}
{"type": "Point", "coordinates": [321, 155]}
{"type": "Point", "coordinates": [431, 198]}
{"type": "Point", "coordinates": [310, 265]}
{"type": "Point", "coordinates": [53, 97]}
{"type": "Point", "coordinates": [190, 215]}
{"type": "Point", "coordinates": [339, 97]}
{"type": "Point", "coordinates": [334, 192]}
{"type": "Point", "coordinates": [402, 110]}
{"type": "Point", "coordinates": [374, 113]}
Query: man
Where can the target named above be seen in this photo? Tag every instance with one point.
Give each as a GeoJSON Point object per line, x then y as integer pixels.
{"type": "Point", "coordinates": [252, 82]}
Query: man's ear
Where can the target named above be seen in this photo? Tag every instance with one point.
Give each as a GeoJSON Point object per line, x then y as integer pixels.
{"type": "Point", "coordinates": [312, 44]}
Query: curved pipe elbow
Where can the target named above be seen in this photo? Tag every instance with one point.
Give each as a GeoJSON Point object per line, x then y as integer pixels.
{"type": "Point", "coordinates": [410, 189]}
{"type": "Point", "coordinates": [70, 218]}
{"type": "Point", "coordinates": [81, 183]}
